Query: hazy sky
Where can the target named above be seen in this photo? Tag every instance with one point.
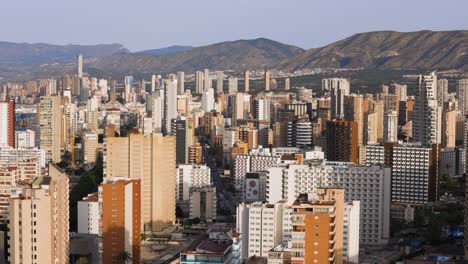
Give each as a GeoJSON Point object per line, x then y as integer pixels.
{"type": "Point", "coordinates": [146, 24]}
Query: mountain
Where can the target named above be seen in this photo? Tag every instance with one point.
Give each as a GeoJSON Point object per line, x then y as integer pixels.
{"type": "Point", "coordinates": [25, 54]}
{"type": "Point", "coordinates": [387, 50]}
{"type": "Point", "coordinates": [230, 55]}
{"type": "Point", "coordinates": [165, 51]}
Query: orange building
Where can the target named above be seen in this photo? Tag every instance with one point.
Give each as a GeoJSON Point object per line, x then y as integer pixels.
{"type": "Point", "coordinates": [317, 235]}
{"type": "Point", "coordinates": [120, 220]}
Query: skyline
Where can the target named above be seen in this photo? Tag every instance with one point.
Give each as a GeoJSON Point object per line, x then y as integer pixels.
{"type": "Point", "coordinates": [302, 24]}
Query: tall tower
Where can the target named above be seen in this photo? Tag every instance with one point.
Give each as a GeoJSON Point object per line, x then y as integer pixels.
{"type": "Point", "coordinates": [128, 87]}
{"type": "Point", "coordinates": [462, 96]}
{"type": "Point", "coordinates": [339, 89]}
{"type": "Point", "coordinates": [121, 219]}
{"type": "Point", "coordinates": [267, 80]}
{"type": "Point", "coordinates": [287, 84]}
{"type": "Point", "coordinates": [180, 82]}
{"type": "Point", "coordinates": [7, 123]}
{"type": "Point", "coordinates": [219, 82]}
{"type": "Point", "coordinates": [342, 142]}
{"type": "Point", "coordinates": [207, 79]}
{"type": "Point", "coordinates": [50, 122]}
{"type": "Point", "coordinates": [153, 160]}
{"type": "Point", "coordinates": [427, 115]}
{"type": "Point", "coordinates": [199, 82]}
{"type": "Point", "coordinates": [80, 65]}
{"type": "Point", "coordinates": [246, 81]}
{"type": "Point", "coordinates": [170, 104]}
{"type": "Point", "coordinates": [38, 220]}
{"type": "Point", "coordinates": [391, 127]}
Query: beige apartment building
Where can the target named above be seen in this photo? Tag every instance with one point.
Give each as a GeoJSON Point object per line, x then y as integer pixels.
{"type": "Point", "coordinates": [38, 220]}
{"type": "Point", "coordinates": [50, 121]}
{"type": "Point", "coordinates": [153, 160]}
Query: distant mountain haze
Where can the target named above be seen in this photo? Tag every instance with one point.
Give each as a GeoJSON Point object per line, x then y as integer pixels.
{"type": "Point", "coordinates": [425, 50]}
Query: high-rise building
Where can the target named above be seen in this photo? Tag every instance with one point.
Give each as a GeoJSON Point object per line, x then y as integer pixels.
{"type": "Point", "coordinates": [462, 96]}
{"type": "Point", "coordinates": [170, 105]}
{"type": "Point", "coordinates": [128, 87]}
{"type": "Point", "coordinates": [180, 82]}
{"type": "Point", "coordinates": [90, 147]}
{"type": "Point", "coordinates": [195, 155]}
{"type": "Point", "coordinates": [427, 115]}
{"type": "Point", "coordinates": [80, 65]}
{"type": "Point", "coordinates": [189, 176]}
{"type": "Point", "coordinates": [38, 220]}
{"type": "Point", "coordinates": [261, 109]}
{"type": "Point", "coordinates": [7, 123]}
{"type": "Point", "coordinates": [50, 122]}
{"type": "Point", "coordinates": [353, 106]}
{"type": "Point", "coordinates": [206, 79]}
{"type": "Point", "coordinates": [315, 224]}
{"type": "Point", "coordinates": [246, 81]}
{"type": "Point", "coordinates": [415, 170]}
{"type": "Point", "coordinates": [442, 92]}
{"type": "Point", "coordinates": [261, 227]}
{"type": "Point", "coordinates": [390, 127]}
{"type": "Point", "coordinates": [203, 203]}
{"type": "Point", "coordinates": [351, 219]}
{"type": "Point", "coordinates": [287, 84]}
{"type": "Point", "coordinates": [208, 101]}
{"type": "Point", "coordinates": [360, 183]}
{"type": "Point", "coordinates": [219, 82]}
{"type": "Point", "coordinates": [342, 141]}
{"type": "Point", "coordinates": [267, 80]}
{"type": "Point", "coordinates": [299, 133]}
{"type": "Point", "coordinates": [25, 138]}
{"type": "Point", "coordinates": [339, 88]}
{"type": "Point", "coordinates": [89, 215]}
{"type": "Point", "coordinates": [120, 202]}
{"type": "Point", "coordinates": [232, 85]}
{"type": "Point", "coordinates": [199, 82]}
{"type": "Point", "coordinates": [153, 160]}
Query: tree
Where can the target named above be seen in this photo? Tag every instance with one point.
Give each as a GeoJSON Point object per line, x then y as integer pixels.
{"type": "Point", "coordinates": [82, 260]}
{"type": "Point", "coordinates": [124, 257]}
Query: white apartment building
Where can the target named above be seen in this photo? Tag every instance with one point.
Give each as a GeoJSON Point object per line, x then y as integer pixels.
{"type": "Point", "coordinates": [351, 223]}
{"type": "Point", "coordinates": [10, 155]}
{"type": "Point", "coordinates": [369, 185]}
{"type": "Point", "coordinates": [189, 176]}
{"type": "Point", "coordinates": [25, 138]}
{"type": "Point", "coordinates": [261, 227]}
{"type": "Point", "coordinates": [89, 215]}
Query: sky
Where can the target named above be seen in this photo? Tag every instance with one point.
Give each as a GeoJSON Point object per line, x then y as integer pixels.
{"type": "Point", "coordinates": [148, 24]}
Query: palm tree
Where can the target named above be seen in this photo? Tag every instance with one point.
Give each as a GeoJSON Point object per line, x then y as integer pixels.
{"type": "Point", "coordinates": [82, 260]}
{"type": "Point", "coordinates": [124, 257]}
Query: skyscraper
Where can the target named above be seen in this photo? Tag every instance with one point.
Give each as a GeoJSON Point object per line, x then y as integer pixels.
{"type": "Point", "coordinates": [38, 220]}
{"type": "Point", "coordinates": [287, 84]}
{"type": "Point", "coordinates": [7, 123]}
{"type": "Point", "coordinates": [50, 122]}
{"type": "Point", "coordinates": [80, 65]}
{"type": "Point", "coordinates": [219, 82]}
{"type": "Point", "coordinates": [180, 82]}
{"type": "Point", "coordinates": [232, 85]}
{"type": "Point", "coordinates": [207, 79]}
{"type": "Point", "coordinates": [462, 96]}
{"type": "Point", "coordinates": [427, 115]}
{"type": "Point", "coordinates": [198, 82]}
{"type": "Point", "coordinates": [153, 160]}
{"type": "Point", "coordinates": [390, 127]}
{"type": "Point", "coordinates": [267, 80]}
{"type": "Point", "coordinates": [121, 219]}
{"type": "Point", "coordinates": [128, 87]}
{"type": "Point", "coordinates": [339, 89]}
{"type": "Point", "coordinates": [170, 104]}
{"type": "Point", "coordinates": [246, 81]}
{"type": "Point", "coordinates": [342, 141]}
